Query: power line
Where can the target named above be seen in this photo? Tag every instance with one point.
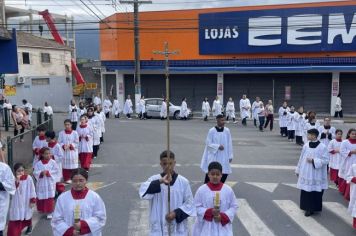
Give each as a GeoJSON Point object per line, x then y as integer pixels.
{"type": "Point", "coordinates": [95, 13]}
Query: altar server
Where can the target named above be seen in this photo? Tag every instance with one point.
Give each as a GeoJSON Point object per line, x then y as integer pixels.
{"type": "Point", "coordinates": [217, 107]}
{"type": "Point", "coordinates": [128, 107]}
{"type": "Point", "coordinates": [283, 120]}
{"type": "Point", "coordinates": [230, 110]}
{"type": "Point", "coordinates": [205, 108]}
{"type": "Point", "coordinates": [335, 160]}
{"type": "Point", "coordinates": [245, 107]}
{"type": "Point", "coordinates": [85, 148]}
{"type": "Point", "coordinates": [348, 153]}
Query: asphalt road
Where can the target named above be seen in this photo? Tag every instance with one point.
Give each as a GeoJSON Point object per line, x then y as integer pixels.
{"type": "Point", "coordinates": [263, 178]}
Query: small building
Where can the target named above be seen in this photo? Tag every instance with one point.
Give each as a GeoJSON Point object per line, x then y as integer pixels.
{"type": "Point", "coordinates": [44, 73]}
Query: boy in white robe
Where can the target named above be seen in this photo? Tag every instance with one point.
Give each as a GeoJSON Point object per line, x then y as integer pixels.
{"type": "Point", "coordinates": [79, 211]}
{"type": "Point", "coordinates": [7, 188]}
{"type": "Point", "coordinates": [142, 108]}
{"type": "Point", "coordinates": [245, 107]}
{"type": "Point", "coordinates": [39, 142]}
{"type": "Point", "coordinates": [73, 114]}
{"type": "Point", "coordinates": [216, 205]}
{"type": "Point", "coordinates": [217, 108]}
{"type": "Point", "coordinates": [351, 179]}
{"type": "Point", "coordinates": [107, 107]}
{"type": "Point", "coordinates": [299, 128]}
{"type": "Point", "coordinates": [155, 189]}
{"type": "Point", "coordinates": [116, 108]}
{"type": "Point", "coordinates": [335, 160]}
{"type": "Point", "coordinates": [230, 110]}
{"type": "Point", "coordinates": [128, 107]}
{"type": "Point", "coordinates": [205, 108]}
{"type": "Point", "coordinates": [218, 147]}
{"type": "Point", "coordinates": [95, 122]}
{"type": "Point", "coordinates": [22, 203]}
{"type": "Point", "coordinates": [85, 148]}
{"type": "Point", "coordinates": [97, 100]}
{"type": "Point", "coordinates": [326, 132]}
{"type": "Point", "coordinates": [69, 141]}
{"type": "Point", "coordinates": [101, 115]}
{"type": "Point", "coordinates": [283, 120]}
{"type": "Point", "coordinates": [184, 112]}
{"type": "Point", "coordinates": [310, 123]}
{"type": "Point", "coordinates": [291, 123]}
{"type": "Point", "coordinates": [255, 105]}
{"type": "Point", "coordinates": [163, 112]}
{"type": "Point", "coordinates": [312, 174]}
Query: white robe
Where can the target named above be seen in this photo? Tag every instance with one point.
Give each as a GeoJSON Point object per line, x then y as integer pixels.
{"type": "Point", "coordinates": [46, 186]}
{"type": "Point", "coordinates": [8, 181]}
{"type": "Point", "coordinates": [73, 115]}
{"type": "Point", "coordinates": [81, 112]}
{"type": "Point", "coordinates": [326, 140]}
{"type": "Point", "coordinates": [292, 120]}
{"type": "Point", "coordinates": [142, 106]}
{"type": "Point", "coordinates": [212, 152]}
{"type": "Point", "coordinates": [230, 109]}
{"type": "Point", "coordinates": [255, 106]}
{"type": "Point", "coordinates": [84, 145]}
{"type": "Point", "coordinates": [205, 107]}
{"type": "Point", "coordinates": [92, 211]}
{"type": "Point", "coordinates": [128, 107]}
{"type": "Point", "coordinates": [163, 112]}
{"type": "Point", "coordinates": [95, 123]}
{"type": "Point", "coordinates": [38, 144]}
{"type": "Point", "coordinates": [181, 197]}
{"type": "Point", "coordinates": [116, 108]}
{"type": "Point", "coordinates": [245, 107]}
{"type": "Point", "coordinates": [335, 159]}
{"type": "Point", "coordinates": [70, 159]}
{"type": "Point", "coordinates": [283, 120]}
{"type": "Point", "coordinates": [338, 104]}
{"type": "Point", "coordinates": [107, 105]}
{"type": "Point", "coordinates": [308, 126]}
{"type": "Point", "coordinates": [20, 203]}
{"type": "Point", "coordinates": [300, 122]}
{"type": "Point", "coordinates": [58, 155]}
{"type": "Point", "coordinates": [352, 204]}
{"type": "Point", "coordinates": [102, 123]}
{"type": "Point", "coordinates": [183, 110]}
{"type": "Point", "coordinates": [48, 110]}
{"type": "Point", "coordinates": [217, 108]}
{"type": "Point", "coordinates": [97, 101]}
{"type": "Point", "coordinates": [204, 199]}
{"type": "Point", "coordinates": [346, 159]}
{"type": "Point", "coordinates": [313, 177]}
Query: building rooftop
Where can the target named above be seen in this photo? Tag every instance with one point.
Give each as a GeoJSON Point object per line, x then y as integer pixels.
{"type": "Point", "coordinates": [29, 40]}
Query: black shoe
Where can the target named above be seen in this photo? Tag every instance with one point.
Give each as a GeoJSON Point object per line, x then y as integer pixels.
{"type": "Point", "coordinates": [308, 213]}
{"type": "Point", "coordinates": [28, 230]}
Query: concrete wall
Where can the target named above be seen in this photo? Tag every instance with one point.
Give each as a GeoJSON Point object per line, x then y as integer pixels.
{"type": "Point", "coordinates": [57, 93]}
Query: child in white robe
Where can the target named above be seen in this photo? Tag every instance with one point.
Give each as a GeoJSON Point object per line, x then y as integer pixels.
{"type": "Point", "coordinates": [7, 188]}
{"type": "Point", "coordinates": [299, 128]}
{"type": "Point", "coordinates": [348, 154]}
{"type": "Point", "coordinates": [128, 107]}
{"type": "Point", "coordinates": [205, 108]}
{"type": "Point", "coordinates": [79, 211]}
{"type": "Point", "coordinates": [116, 108]}
{"type": "Point", "coordinates": [73, 114]}
{"type": "Point", "coordinates": [351, 179]}
{"type": "Point", "coordinates": [245, 107]}
{"type": "Point", "coordinates": [57, 155]}
{"type": "Point", "coordinates": [312, 174]}
{"type": "Point", "coordinates": [99, 112]}
{"type": "Point", "coordinates": [69, 141]}
{"type": "Point", "coordinates": [46, 173]}
{"type": "Point", "coordinates": [334, 152]}
{"type": "Point", "coordinates": [184, 112]}
{"type": "Point", "coordinates": [255, 105]}
{"type": "Point", "coordinates": [107, 107]}
{"type": "Point", "coordinates": [216, 205]}
{"type": "Point", "coordinates": [217, 108]}
{"type": "Point", "coordinates": [283, 120]}
{"type": "Point", "coordinates": [326, 132]}
{"type": "Point", "coordinates": [95, 122]}
{"type": "Point", "coordinates": [291, 123]}
{"type": "Point", "coordinates": [22, 203]}
{"type": "Point", "coordinates": [230, 110]}
{"type": "Point", "coordinates": [39, 142]}
{"type": "Point", "coordinates": [155, 190]}
{"type": "Point", "coordinates": [163, 112]}
{"type": "Point", "coordinates": [85, 148]}
{"type": "Point", "coordinates": [310, 123]}
{"type": "Point", "coordinates": [218, 147]}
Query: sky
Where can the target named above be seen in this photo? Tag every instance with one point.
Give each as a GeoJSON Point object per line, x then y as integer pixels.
{"type": "Point", "coordinates": [104, 8]}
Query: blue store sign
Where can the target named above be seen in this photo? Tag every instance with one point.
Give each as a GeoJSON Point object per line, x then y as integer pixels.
{"type": "Point", "coordinates": [319, 29]}
{"type": "Point", "coordinates": [8, 55]}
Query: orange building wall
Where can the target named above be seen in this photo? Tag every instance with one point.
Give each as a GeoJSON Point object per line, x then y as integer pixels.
{"type": "Point", "coordinates": [117, 42]}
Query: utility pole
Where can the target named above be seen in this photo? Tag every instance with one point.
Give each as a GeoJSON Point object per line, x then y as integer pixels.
{"type": "Point", "coordinates": [137, 75]}
{"type": "Point", "coordinates": [166, 54]}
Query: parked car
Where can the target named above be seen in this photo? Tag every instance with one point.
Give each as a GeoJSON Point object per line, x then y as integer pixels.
{"type": "Point", "coordinates": [153, 108]}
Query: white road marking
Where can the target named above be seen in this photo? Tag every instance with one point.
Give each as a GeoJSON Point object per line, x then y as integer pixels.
{"type": "Point", "coordinates": [339, 210]}
{"type": "Point", "coordinates": [250, 220]}
{"type": "Point", "coordinates": [269, 167]}
{"type": "Point", "coordinates": [138, 219]}
{"type": "Point", "coordinates": [290, 185]}
{"type": "Point", "coordinates": [270, 187]}
{"type": "Point", "coordinates": [106, 185]}
{"type": "Point", "coordinates": [308, 224]}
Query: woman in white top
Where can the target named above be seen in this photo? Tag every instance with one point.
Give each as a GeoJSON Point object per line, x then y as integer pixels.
{"type": "Point", "coordinates": [338, 107]}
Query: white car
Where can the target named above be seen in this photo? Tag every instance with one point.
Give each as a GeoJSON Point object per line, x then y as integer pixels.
{"type": "Point", "coordinates": [153, 108]}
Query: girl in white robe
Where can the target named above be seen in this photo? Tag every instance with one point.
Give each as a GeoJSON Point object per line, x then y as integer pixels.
{"type": "Point", "coordinates": [312, 174]}
{"type": "Point", "coordinates": [95, 122]}
{"type": "Point", "coordinates": [22, 203]}
{"type": "Point", "coordinates": [184, 112]}
{"type": "Point", "coordinates": [224, 206]}
{"type": "Point", "coordinates": [107, 107]}
{"type": "Point", "coordinates": [69, 141]}
{"type": "Point", "coordinates": [205, 108]}
{"type": "Point", "coordinates": [182, 203]}
{"type": "Point", "coordinates": [46, 173]}
{"type": "Point", "coordinates": [116, 108]}
{"type": "Point", "coordinates": [351, 179]}
{"type": "Point", "coordinates": [85, 148]}
{"type": "Point", "coordinates": [217, 108]}
{"type": "Point", "coordinates": [57, 155]}
{"type": "Point", "coordinates": [39, 142]}
{"type": "Point", "coordinates": [230, 110]}
{"type": "Point", "coordinates": [79, 211]}
{"type": "Point", "coordinates": [283, 120]}
{"type": "Point", "coordinates": [218, 147]}
{"type": "Point", "coordinates": [299, 128]}
{"type": "Point", "coordinates": [245, 107]}
{"type": "Point", "coordinates": [334, 152]}
{"type": "Point", "coordinates": [128, 107]}
{"type": "Point", "coordinates": [7, 188]}
{"type": "Point", "coordinates": [326, 132]}
{"type": "Point", "coordinates": [348, 154]}
{"type": "Point", "coordinates": [163, 111]}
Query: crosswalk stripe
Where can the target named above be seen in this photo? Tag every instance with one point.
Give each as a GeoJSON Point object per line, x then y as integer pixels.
{"type": "Point", "coordinates": [250, 220]}
{"type": "Point", "coordinates": [138, 219]}
{"type": "Point", "coordinates": [270, 187]}
{"type": "Point", "coordinates": [339, 210]}
{"type": "Point", "coordinates": [308, 224]}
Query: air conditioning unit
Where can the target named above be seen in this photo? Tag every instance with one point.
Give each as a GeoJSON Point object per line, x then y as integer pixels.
{"type": "Point", "coordinates": [20, 80]}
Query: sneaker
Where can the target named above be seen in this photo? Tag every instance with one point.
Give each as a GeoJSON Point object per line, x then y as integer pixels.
{"type": "Point", "coordinates": [49, 216]}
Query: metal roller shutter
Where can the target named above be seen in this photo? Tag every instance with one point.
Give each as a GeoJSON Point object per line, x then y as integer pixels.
{"type": "Point", "coordinates": [110, 81]}
{"type": "Point", "coordinates": [348, 92]}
